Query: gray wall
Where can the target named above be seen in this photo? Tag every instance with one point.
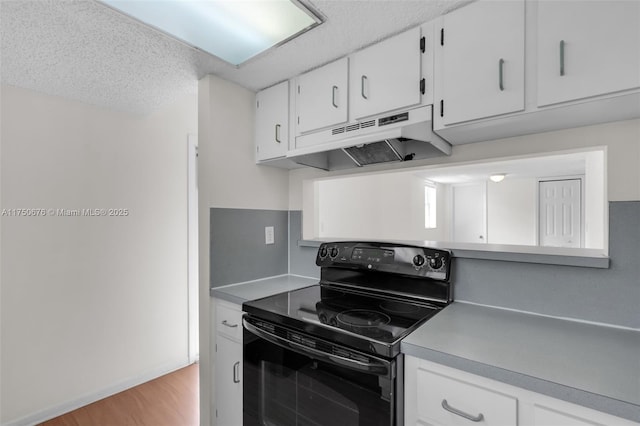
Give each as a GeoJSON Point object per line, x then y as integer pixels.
{"type": "Point", "coordinates": [302, 259]}
{"type": "Point", "coordinates": [609, 296]}
{"type": "Point", "coordinates": [602, 295]}
{"type": "Point", "coordinates": [238, 251]}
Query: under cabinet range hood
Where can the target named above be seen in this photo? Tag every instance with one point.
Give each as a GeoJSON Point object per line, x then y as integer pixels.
{"type": "Point", "coordinates": [402, 136]}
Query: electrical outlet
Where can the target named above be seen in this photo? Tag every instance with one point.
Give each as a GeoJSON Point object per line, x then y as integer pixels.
{"type": "Point", "coordinates": [268, 235]}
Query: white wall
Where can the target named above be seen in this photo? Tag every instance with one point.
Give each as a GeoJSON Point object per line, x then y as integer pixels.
{"type": "Point", "coordinates": [382, 206]}
{"type": "Point", "coordinates": [511, 212]}
{"type": "Point", "coordinates": [622, 140]}
{"type": "Point", "coordinates": [90, 304]}
{"type": "Point", "coordinates": [227, 178]}
{"type": "Point", "coordinates": [595, 225]}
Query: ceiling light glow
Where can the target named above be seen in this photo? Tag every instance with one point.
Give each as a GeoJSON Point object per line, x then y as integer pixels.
{"type": "Point", "coordinates": [499, 177]}
{"type": "Point", "coordinates": [232, 30]}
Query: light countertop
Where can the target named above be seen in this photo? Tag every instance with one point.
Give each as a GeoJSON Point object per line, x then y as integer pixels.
{"type": "Point", "coordinates": [257, 289]}
{"type": "Point", "coordinates": [588, 364]}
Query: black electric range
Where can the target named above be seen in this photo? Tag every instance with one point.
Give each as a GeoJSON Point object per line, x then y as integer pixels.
{"type": "Point", "coordinates": [370, 295]}
{"type": "Point", "coordinates": [330, 353]}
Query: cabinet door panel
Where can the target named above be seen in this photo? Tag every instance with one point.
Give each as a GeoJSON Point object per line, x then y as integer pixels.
{"type": "Point", "coordinates": [272, 122]}
{"type": "Point", "coordinates": [322, 96]}
{"type": "Point", "coordinates": [228, 382]}
{"type": "Point", "coordinates": [448, 401]}
{"type": "Point", "coordinates": [601, 49]}
{"type": "Point", "coordinates": [482, 61]}
{"type": "Point", "coordinates": [386, 76]}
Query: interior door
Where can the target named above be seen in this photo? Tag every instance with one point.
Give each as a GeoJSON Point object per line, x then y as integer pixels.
{"type": "Point", "coordinates": [560, 210]}
{"type": "Point", "coordinates": [469, 213]}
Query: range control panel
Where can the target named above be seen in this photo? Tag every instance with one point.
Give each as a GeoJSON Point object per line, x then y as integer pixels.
{"type": "Point", "coordinates": [387, 257]}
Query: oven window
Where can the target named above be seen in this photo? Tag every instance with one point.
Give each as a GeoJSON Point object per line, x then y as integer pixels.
{"type": "Point", "coordinates": [284, 388]}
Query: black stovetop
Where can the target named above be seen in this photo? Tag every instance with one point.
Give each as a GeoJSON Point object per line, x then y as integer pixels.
{"type": "Point", "coordinates": [371, 323]}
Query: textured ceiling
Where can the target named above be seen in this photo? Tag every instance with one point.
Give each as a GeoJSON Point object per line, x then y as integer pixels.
{"type": "Point", "coordinates": [80, 49]}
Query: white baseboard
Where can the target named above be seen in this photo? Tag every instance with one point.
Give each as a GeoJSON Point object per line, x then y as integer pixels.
{"type": "Point", "coordinates": [57, 410]}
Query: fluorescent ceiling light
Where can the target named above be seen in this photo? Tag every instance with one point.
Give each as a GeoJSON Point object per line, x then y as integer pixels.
{"type": "Point", "coordinates": [232, 30]}
{"type": "Point", "coordinates": [497, 177]}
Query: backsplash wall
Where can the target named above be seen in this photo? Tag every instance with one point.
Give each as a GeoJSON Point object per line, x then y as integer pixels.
{"type": "Point", "coordinates": [610, 296]}
{"type": "Point", "coordinates": [238, 251]}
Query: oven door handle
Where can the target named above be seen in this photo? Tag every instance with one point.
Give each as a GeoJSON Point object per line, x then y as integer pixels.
{"type": "Point", "coordinates": [378, 368]}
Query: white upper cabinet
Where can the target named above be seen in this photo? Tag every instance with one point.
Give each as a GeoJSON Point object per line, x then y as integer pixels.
{"type": "Point", "coordinates": [322, 96]}
{"type": "Point", "coordinates": [272, 122]}
{"type": "Point", "coordinates": [480, 62]}
{"type": "Point", "coordinates": [587, 48]}
{"type": "Point", "coordinates": [386, 76]}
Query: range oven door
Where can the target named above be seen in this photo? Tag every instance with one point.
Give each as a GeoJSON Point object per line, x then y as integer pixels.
{"type": "Point", "coordinates": [291, 378]}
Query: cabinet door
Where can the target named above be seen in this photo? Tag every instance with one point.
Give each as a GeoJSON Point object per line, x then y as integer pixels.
{"type": "Point", "coordinates": [228, 382]}
{"type": "Point", "coordinates": [386, 76]}
{"type": "Point", "coordinates": [480, 62]}
{"type": "Point", "coordinates": [322, 96]}
{"type": "Point", "coordinates": [272, 122]}
{"type": "Point", "coordinates": [587, 48]}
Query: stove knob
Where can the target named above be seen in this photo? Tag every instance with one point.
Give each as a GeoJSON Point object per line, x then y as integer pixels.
{"type": "Point", "coordinates": [334, 252]}
{"type": "Point", "coordinates": [435, 262]}
{"type": "Point", "coordinates": [323, 252]}
{"type": "Point", "coordinates": [418, 260]}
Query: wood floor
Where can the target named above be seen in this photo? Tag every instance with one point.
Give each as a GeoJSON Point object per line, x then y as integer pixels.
{"type": "Point", "coordinates": [170, 400]}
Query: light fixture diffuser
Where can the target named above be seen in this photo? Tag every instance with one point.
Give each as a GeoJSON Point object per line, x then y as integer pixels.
{"type": "Point", "coordinates": [232, 30]}
{"type": "Point", "coordinates": [499, 177]}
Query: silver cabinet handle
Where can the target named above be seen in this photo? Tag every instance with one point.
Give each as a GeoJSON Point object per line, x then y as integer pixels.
{"type": "Point", "coordinates": [229, 325]}
{"type": "Point", "coordinates": [278, 133]}
{"type": "Point", "coordinates": [333, 96]}
{"type": "Point", "coordinates": [562, 57]}
{"type": "Point", "coordinates": [500, 72]}
{"type": "Point", "coordinates": [362, 80]}
{"type": "Point", "coordinates": [236, 372]}
{"type": "Point", "coordinates": [446, 406]}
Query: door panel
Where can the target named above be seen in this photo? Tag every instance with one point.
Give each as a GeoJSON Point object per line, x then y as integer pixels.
{"type": "Point", "coordinates": [600, 49]}
{"type": "Point", "coordinates": [560, 204]}
{"type": "Point", "coordinates": [272, 122]}
{"type": "Point", "coordinates": [480, 62]}
{"type": "Point", "coordinates": [386, 76]}
{"type": "Point", "coordinates": [322, 96]}
{"type": "Point", "coordinates": [228, 378]}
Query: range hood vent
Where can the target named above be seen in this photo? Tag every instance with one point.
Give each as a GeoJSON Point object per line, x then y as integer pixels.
{"type": "Point", "coordinates": [399, 137]}
{"type": "Point", "coordinates": [377, 152]}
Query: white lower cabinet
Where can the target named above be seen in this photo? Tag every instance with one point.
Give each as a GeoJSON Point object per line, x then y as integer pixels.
{"type": "Point", "coordinates": [227, 380]}
{"type": "Point", "coordinates": [437, 395]}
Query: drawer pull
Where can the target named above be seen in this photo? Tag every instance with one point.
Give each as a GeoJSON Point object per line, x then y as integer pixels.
{"type": "Point", "coordinates": [446, 406]}
{"type": "Point", "coordinates": [229, 325]}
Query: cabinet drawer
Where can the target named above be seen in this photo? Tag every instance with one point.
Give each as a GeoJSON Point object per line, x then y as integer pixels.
{"type": "Point", "coordinates": [448, 401]}
{"type": "Point", "coordinates": [229, 320]}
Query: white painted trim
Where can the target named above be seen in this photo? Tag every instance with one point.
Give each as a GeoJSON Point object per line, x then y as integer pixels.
{"type": "Point", "coordinates": [193, 347]}
{"type": "Point", "coordinates": [57, 410]}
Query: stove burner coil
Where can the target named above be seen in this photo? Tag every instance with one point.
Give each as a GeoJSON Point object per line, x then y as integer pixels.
{"type": "Point", "coordinates": [363, 318]}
